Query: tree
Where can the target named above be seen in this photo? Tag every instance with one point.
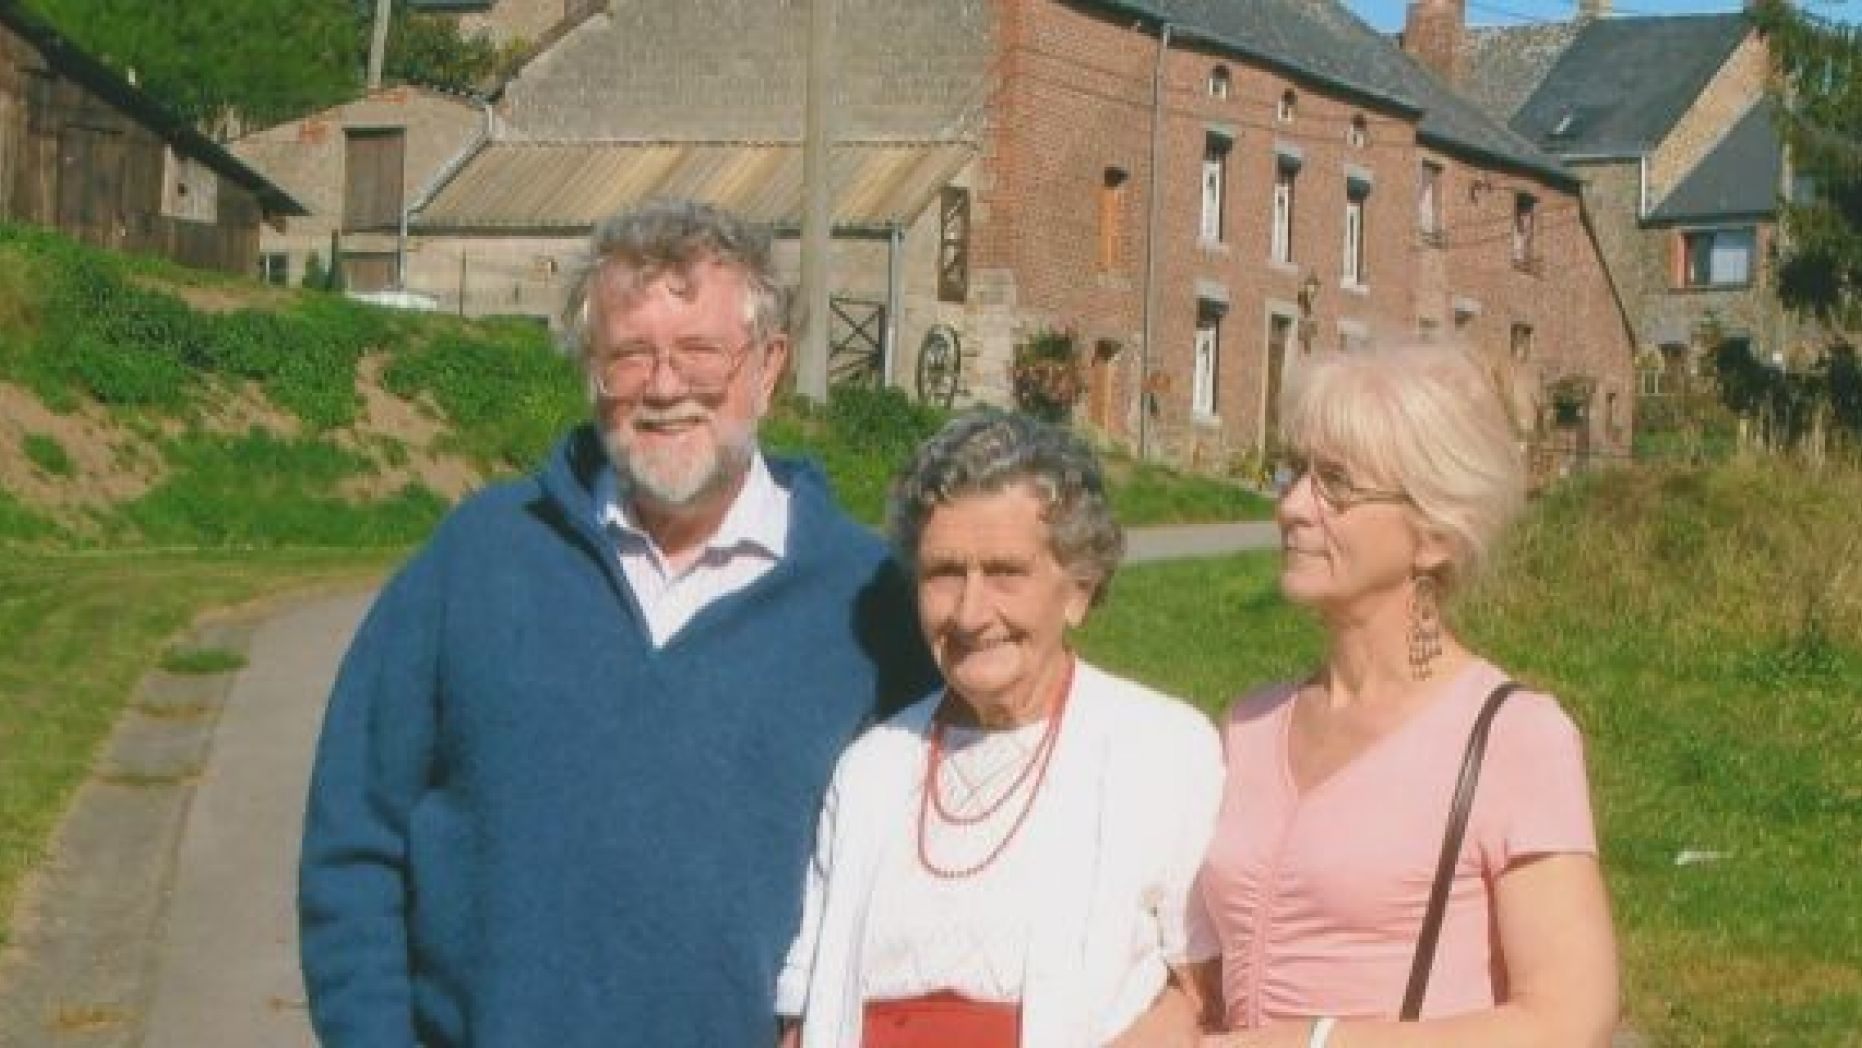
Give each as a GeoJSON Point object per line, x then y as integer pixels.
{"type": "Point", "coordinates": [1817, 89]}
{"type": "Point", "coordinates": [264, 61]}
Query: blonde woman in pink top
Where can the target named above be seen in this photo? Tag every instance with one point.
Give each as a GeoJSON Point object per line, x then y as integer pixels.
{"type": "Point", "coordinates": [1404, 470]}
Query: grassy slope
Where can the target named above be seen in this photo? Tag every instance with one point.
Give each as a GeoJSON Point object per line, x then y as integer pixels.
{"type": "Point", "coordinates": [1705, 630]}
{"type": "Point", "coordinates": [76, 632]}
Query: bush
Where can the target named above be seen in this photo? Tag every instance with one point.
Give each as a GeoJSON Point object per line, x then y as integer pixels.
{"type": "Point", "coordinates": [1047, 376]}
{"type": "Point", "coordinates": [508, 398]}
{"type": "Point", "coordinates": [261, 489]}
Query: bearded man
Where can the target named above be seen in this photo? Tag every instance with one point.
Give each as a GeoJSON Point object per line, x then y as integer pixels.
{"type": "Point", "coordinates": [567, 782]}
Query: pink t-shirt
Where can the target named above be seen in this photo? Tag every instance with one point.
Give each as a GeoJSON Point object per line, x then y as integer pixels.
{"type": "Point", "coordinates": [1316, 900]}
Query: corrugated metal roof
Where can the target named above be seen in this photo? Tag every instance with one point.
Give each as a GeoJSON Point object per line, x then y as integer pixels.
{"type": "Point", "coordinates": [569, 186]}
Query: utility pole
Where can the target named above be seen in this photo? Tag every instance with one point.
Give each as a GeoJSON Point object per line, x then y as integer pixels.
{"type": "Point", "coordinates": [378, 44]}
{"type": "Point", "coordinates": [817, 216]}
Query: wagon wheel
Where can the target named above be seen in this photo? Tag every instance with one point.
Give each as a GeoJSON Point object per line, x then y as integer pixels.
{"type": "Point", "coordinates": [940, 364]}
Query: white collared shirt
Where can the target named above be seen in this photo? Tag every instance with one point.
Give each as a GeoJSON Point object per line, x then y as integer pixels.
{"type": "Point", "coordinates": [749, 541]}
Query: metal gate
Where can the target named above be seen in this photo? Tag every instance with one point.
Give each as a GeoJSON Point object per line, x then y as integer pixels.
{"type": "Point", "coordinates": [856, 342]}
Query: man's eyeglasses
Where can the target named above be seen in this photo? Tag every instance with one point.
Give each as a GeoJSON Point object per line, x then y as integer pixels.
{"type": "Point", "coordinates": [702, 366]}
{"type": "Point", "coordinates": [1332, 484]}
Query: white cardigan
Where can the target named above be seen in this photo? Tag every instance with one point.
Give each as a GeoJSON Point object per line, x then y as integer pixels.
{"type": "Point", "coordinates": [1121, 827]}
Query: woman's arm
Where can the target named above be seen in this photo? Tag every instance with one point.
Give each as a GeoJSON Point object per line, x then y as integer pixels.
{"type": "Point", "coordinates": [1174, 1019]}
{"type": "Point", "coordinates": [1560, 956]}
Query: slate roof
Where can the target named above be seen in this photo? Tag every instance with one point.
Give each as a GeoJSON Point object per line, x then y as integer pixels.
{"type": "Point", "coordinates": [1502, 65]}
{"type": "Point", "coordinates": [1737, 179]}
{"type": "Point", "coordinates": [1320, 40]}
{"type": "Point", "coordinates": [1624, 82]}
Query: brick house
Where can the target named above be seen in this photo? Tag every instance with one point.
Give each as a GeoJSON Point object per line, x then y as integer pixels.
{"type": "Point", "coordinates": [1666, 121]}
{"type": "Point", "coordinates": [1316, 190]}
{"type": "Point", "coordinates": [84, 151]}
{"type": "Point", "coordinates": [993, 177]}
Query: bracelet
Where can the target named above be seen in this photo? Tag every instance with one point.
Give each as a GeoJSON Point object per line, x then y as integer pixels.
{"type": "Point", "coordinates": [1321, 1032]}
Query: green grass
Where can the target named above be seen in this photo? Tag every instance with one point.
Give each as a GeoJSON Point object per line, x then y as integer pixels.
{"type": "Point", "coordinates": [48, 454]}
{"type": "Point", "coordinates": [76, 633]}
{"type": "Point", "coordinates": [1704, 628]}
{"type": "Point", "coordinates": [201, 661]}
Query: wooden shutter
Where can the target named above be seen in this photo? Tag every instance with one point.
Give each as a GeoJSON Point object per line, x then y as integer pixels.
{"type": "Point", "coordinates": [374, 161]}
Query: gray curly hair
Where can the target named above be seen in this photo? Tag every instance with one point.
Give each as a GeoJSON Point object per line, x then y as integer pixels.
{"type": "Point", "coordinates": [987, 451]}
{"type": "Point", "coordinates": [671, 236]}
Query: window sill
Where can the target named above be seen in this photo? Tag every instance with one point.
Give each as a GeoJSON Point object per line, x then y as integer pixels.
{"type": "Point", "coordinates": [1212, 247]}
{"type": "Point", "coordinates": [1695, 289]}
{"type": "Point", "coordinates": [1289, 267]}
{"type": "Point", "coordinates": [1352, 287]}
{"type": "Point", "coordinates": [1205, 420]}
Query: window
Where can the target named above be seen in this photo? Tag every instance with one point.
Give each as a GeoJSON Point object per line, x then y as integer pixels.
{"type": "Point", "coordinates": [1280, 236]}
{"type": "Point", "coordinates": [1220, 84]}
{"type": "Point", "coordinates": [1717, 257]}
{"type": "Point", "coordinates": [190, 189]}
{"type": "Point", "coordinates": [953, 244]}
{"type": "Point", "coordinates": [275, 268]}
{"type": "Point", "coordinates": [1112, 217]}
{"type": "Point", "coordinates": [1519, 342]}
{"type": "Point", "coordinates": [1207, 366]}
{"type": "Point", "coordinates": [1289, 102]}
{"type": "Point", "coordinates": [1215, 178]}
{"type": "Point", "coordinates": [1358, 135]}
{"type": "Point", "coordinates": [373, 177]}
{"type": "Point", "coordinates": [1356, 193]}
{"type": "Point", "coordinates": [1525, 218]}
{"type": "Point", "coordinates": [1429, 203]}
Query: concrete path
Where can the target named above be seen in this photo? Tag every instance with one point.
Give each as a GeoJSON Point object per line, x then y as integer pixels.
{"type": "Point", "coordinates": [165, 918]}
{"type": "Point", "coordinates": [226, 975]}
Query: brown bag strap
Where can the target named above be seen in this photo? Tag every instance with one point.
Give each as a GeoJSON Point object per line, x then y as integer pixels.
{"type": "Point", "coordinates": [1451, 852]}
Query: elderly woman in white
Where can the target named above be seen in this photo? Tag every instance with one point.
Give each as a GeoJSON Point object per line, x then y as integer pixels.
{"type": "Point", "coordinates": [1009, 861]}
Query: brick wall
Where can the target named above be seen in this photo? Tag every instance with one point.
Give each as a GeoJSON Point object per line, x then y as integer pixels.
{"type": "Point", "coordinates": [1076, 101]}
{"type": "Point", "coordinates": [737, 69]}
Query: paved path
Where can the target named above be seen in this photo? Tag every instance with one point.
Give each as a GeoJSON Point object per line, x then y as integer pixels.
{"type": "Point", "coordinates": [165, 917]}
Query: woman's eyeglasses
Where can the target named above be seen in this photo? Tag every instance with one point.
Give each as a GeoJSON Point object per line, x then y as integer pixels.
{"type": "Point", "coordinates": [1332, 483]}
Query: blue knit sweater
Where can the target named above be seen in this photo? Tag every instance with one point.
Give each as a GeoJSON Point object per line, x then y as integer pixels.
{"type": "Point", "coordinates": [528, 826]}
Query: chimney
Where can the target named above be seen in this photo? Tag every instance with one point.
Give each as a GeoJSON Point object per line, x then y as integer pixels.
{"type": "Point", "coordinates": [1589, 10]}
{"type": "Point", "coordinates": [1432, 31]}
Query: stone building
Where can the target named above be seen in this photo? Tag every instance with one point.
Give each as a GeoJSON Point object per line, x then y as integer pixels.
{"type": "Point", "coordinates": [1665, 120]}
{"type": "Point", "coordinates": [1202, 194]}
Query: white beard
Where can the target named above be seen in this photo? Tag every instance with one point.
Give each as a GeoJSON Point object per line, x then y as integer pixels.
{"type": "Point", "coordinates": [675, 478]}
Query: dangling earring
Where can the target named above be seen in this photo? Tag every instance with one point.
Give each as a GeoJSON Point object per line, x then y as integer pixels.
{"type": "Point", "coordinates": [1425, 627]}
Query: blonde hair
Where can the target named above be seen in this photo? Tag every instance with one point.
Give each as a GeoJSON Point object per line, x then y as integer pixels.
{"type": "Point", "coordinates": [1426, 421]}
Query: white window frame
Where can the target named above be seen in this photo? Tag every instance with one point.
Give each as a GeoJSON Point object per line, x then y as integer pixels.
{"type": "Point", "coordinates": [1216, 149]}
{"type": "Point", "coordinates": [1352, 274]}
{"type": "Point", "coordinates": [1429, 201]}
{"type": "Point", "coordinates": [1206, 363]}
{"type": "Point", "coordinates": [1221, 84]}
{"type": "Point", "coordinates": [1280, 236]}
{"type": "Point", "coordinates": [1716, 255]}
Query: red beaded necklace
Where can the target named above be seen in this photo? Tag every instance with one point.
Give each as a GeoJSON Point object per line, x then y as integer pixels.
{"type": "Point", "coordinates": [932, 803]}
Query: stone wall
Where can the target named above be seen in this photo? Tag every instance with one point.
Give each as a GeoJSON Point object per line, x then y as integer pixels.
{"type": "Point", "coordinates": [736, 69]}
{"type": "Point", "coordinates": [306, 158]}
